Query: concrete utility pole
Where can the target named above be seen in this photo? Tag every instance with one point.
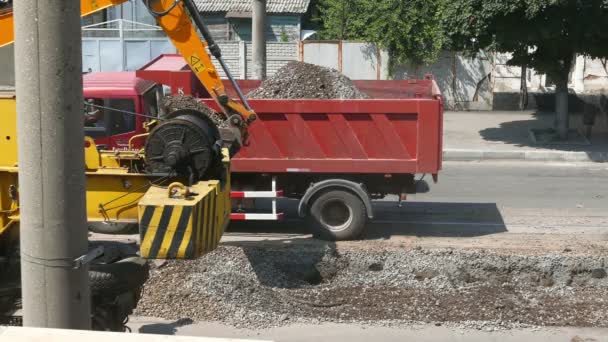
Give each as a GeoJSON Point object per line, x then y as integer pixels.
{"type": "Point", "coordinates": [259, 38]}
{"type": "Point", "coordinates": [48, 57]}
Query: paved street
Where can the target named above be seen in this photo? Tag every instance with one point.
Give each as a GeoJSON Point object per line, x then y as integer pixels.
{"type": "Point", "coordinates": [479, 198]}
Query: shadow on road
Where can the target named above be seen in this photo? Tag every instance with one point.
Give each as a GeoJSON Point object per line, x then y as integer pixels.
{"type": "Point", "coordinates": [517, 133]}
{"type": "Point", "coordinates": [411, 219]}
{"type": "Point", "coordinates": [164, 328]}
{"type": "Point", "coordinates": [435, 219]}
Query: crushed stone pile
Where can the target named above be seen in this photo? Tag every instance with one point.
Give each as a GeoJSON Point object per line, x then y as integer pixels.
{"type": "Point", "coordinates": [260, 287]}
{"type": "Point", "coordinates": [177, 102]}
{"type": "Point", "coordinates": [297, 80]}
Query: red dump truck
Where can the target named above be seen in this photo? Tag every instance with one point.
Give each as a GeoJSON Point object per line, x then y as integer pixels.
{"type": "Point", "coordinates": [334, 156]}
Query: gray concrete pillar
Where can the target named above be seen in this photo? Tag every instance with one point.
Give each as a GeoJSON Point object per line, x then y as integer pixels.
{"type": "Point", "coordinates": [51, 163]}
{"type": "Point", "coordinates": [259, 39]}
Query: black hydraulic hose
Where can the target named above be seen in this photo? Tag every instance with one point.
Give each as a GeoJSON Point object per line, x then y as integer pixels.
{"type": "Point", "coordinates": [198, 21]}
{"type": "Point", "coordinates": [159, 14]}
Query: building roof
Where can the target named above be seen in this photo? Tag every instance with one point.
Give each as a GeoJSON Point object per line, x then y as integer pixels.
{"type": "Point", "coordinates": [272, 6]}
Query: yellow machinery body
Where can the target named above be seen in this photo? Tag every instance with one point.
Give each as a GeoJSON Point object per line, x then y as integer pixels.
{"type": "Point", "coordinates": [117, 191]}
{"type": "Point", "coordinates": [184, 227]}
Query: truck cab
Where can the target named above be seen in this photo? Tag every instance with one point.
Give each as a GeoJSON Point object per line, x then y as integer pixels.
{"type": "Point", "coordinates": [113, 99]}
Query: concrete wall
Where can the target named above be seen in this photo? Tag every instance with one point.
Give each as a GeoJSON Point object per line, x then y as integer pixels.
{"type": "Point", "coordinates": [595, 74]}
{"type": "Point", "coordinates": [466, 82]}
{"type": "Point", "coordinates": [356, 60]}
{"type": "Point", "coordinates": [588, 77]}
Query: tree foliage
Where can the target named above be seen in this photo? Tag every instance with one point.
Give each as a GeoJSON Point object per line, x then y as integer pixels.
{"type": "Point", "coordinates": [411, 30]}
{"type": "Point", "coordinates": [541, 34]}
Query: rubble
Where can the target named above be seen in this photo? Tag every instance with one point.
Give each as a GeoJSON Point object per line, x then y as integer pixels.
{"type": "Point", "coordinates": [261, 286]}
{"type": "Point", "coordinates": [297, 80]}
{"type": "Point", "coordinates": [177, 102]}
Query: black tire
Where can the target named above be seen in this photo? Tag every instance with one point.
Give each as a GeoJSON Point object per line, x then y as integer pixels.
{"type": "Point", "coordinates": [338, 215]}
{"type": "Point", "coordinates": [123, 276]}
{"type": "Point", "coordinates": [112, 227]}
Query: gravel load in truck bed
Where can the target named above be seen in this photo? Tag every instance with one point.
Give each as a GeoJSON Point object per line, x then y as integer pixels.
{"type": "Point", "coordinates": [297, 80]}
{"type": "Point", "coordinates": [177, 102]}
{"type": "Point", "coordinates": [253, 286]}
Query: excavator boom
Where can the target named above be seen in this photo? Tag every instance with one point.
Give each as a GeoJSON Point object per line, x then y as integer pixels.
{"type": "Point", "coordinates": [182, 23]}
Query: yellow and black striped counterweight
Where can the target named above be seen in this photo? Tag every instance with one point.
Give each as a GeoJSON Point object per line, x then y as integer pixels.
{"type": "Point", "coordinates": [183, 227]}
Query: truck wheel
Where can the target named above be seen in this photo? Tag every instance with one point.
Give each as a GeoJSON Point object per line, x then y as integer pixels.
{"type": "Point", "coordinates": [112, 227]}
{"type": "Point", "coordinates": [338, 215]}
{"type": "Point", "coordinates": [123, 276]}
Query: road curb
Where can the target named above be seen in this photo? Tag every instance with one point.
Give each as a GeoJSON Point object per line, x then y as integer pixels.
{"type": "Point", "coordinates": [561, 156]}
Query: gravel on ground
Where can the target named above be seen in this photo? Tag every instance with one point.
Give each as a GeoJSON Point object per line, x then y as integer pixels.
{"type": "Point", "coordinates": [255, 286]}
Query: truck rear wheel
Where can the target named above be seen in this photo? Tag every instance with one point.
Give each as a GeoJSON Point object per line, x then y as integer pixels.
{"type": "Point", "coordinates": [338, 215]}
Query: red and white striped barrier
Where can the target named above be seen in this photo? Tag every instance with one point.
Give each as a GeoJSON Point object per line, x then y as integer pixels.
{"type": "Point", "coordinates": [274, 194]}
{"type": "Point", "coordinates": [256, 194]}
{"type": "Point", "coordinates": [256, 217]}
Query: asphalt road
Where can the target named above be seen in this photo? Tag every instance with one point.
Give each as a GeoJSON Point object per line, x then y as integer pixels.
{"type": "Point", "coordinates": [493, 204]}
{"type": "Point", "coordinates": [476, 198]}
{"type": "Point", "coordinates": [522, 185]}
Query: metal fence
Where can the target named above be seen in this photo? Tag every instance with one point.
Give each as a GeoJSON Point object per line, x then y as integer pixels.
{"type": "Point", "coordinates": [121, 45]}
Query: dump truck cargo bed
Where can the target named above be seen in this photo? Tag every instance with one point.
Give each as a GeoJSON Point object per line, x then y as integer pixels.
{"type": "Point", "coordinates": [398, 130]}
{"type": "Point", "coordinates": [343, 136]}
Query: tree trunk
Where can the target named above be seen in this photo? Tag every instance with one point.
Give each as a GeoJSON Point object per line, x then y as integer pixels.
{"type": "Point", "coordinates": [523, 89]}
{"type": "Point", "coordinates": [561, 108]}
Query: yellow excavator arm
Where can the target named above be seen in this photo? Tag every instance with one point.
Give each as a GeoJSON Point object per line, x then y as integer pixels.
{"type": "Point", "coordinates": [182, 23]}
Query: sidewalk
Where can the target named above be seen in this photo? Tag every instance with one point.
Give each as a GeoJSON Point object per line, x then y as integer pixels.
{"type": "Point", "coordinates": [470, 136]}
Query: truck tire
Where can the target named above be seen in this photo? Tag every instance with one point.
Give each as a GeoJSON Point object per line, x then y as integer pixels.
{"type": "Point", "coordinates": [123, 276]}
{"type": "Point", "coordinates": [112, 227]}
{"type": "Point", "coordinates": [338, 215]}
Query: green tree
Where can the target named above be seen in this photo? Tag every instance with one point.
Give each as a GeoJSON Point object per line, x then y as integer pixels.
{"type": "Point", "coordinates": [341, 19]}
{"type": "Point", "coordinates": [411, 30]}
{"type": "Point", "coordinates": [542, 34]}
{"type": "Point", "coordinates": [284, 37]}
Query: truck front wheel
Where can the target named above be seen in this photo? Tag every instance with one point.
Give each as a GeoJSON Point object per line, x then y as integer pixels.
{"type": "Point", "coordinates": [338, 215]}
